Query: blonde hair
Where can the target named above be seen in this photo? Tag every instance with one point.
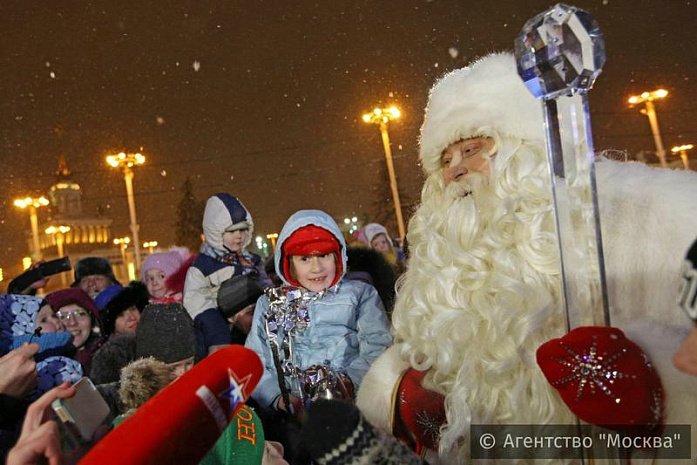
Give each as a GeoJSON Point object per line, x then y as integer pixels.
{"type": "Point", "coordinates": [482, 293]}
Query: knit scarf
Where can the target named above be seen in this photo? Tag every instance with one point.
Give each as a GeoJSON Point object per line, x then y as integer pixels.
{"type": "Point", "coordinates": [229, 258]}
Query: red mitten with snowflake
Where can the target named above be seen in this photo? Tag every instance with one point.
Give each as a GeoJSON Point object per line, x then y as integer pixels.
{"type": "Point", "coordinates": [604, 378]}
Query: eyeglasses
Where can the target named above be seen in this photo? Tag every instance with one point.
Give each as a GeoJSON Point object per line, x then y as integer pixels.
{"type": "Point", "coordinates": [78, 314]}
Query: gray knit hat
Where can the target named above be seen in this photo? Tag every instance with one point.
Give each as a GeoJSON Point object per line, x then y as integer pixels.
{"type": "Point", "coordinates": [237, 293]}
{"type": "Point", "coordinates": [165, 332]}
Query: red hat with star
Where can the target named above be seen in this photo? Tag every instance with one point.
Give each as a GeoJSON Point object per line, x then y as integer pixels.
{"type": "Point", "coordinates": [604, 378]}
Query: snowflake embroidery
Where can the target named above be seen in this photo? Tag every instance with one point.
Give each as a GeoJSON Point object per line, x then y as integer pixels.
{"type": "Point", "coordinates": [589, 369]}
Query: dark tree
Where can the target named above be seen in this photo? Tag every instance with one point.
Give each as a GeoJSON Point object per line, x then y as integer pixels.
{"type": "Point", "coordinates": [189, 218]}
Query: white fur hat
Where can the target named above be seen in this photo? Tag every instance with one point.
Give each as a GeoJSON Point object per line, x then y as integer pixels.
{"type": "Point", "coordinates": [487, 94]}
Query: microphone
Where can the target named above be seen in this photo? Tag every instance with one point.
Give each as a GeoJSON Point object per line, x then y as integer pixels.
{"type": "Point", "coordinates": [184, 420]}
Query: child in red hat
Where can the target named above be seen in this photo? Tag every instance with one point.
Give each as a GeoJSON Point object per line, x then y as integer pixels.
{"type": "Point", "coordinates": [317, 326]}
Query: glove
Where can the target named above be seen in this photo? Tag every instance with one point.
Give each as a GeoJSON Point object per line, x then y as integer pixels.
{"type": "Point", "coordinates": [604, 378]}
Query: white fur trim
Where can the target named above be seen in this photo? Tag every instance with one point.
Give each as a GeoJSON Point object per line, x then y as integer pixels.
{"type": "Point", "coordinates": [374, 396]}
{"type": "Point", "coordinates": [465, 102]}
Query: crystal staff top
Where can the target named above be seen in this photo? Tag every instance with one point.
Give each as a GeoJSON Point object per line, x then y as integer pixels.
{"type": "Point", "coordinates": [560, 52]}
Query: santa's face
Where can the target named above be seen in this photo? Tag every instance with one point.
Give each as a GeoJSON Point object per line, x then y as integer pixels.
{"type": "Point", "coordinates": [465, 156]}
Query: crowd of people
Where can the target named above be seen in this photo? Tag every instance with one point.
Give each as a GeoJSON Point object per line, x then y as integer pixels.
{"type": "Point", "coordinates": [468, 338]}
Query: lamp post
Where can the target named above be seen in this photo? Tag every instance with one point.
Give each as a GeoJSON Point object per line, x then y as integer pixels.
{"type": "Point", "coordinates": [126, 162]}
{"type": "Point", "coordinates": [381, 116]}
{"type": "Point", "coordinates": [649, 110]}
{"type": "Point", "coordinates": [150, 245]}
{"type": "Point", "coordinates": [59, 231]}
{"type": "Point", "coordinates": [123, 242]}
{"type": "Point", "coordinates": [32, 204]}
{"type": "Point", "coordinates": [683, 154]}
{"type": "Point", "coordinates": [272, 237]}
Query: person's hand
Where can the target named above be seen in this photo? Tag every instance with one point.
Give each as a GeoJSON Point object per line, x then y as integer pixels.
{"type": "Point", "coordinates": [42, 282]}
{"type": "Point", "coordinates": [295, 403]}
{"type": "Point", "coordinates": [40, 438]}
{"type": "Point", "coordinates": [18, 376]}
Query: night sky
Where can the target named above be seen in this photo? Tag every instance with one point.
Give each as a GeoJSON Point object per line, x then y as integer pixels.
{"type": "Point", "coordinates": [263, 99]}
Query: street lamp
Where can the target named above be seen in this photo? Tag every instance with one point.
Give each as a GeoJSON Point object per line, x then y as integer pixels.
{"type": "Point", "coordinates": [127, 162]}
{"type": "Point", "coordinates": [32, 204]}
{"type": "Point", "coordinates": [381, 116]}
{"type": "Point", "coordinates": [682, 149]}
{"type": "Point", "coordinates": [59, 231]}
{"type": "Point", "coordinates": [649, 110]}
{"type": "Point", "coordinates": [150, 245]}
{"type": "Point", "coordinates": [272, 237]}
{"type": "Point", "coordinates": [123, 242]}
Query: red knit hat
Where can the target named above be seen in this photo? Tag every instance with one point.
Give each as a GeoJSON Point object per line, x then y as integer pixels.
{"type": "Point", "coordinates": [604, 378]}
{"type": "Point", "coordinates": [310, 240]}
{"type": "Point", "coordinates": [74, 295]}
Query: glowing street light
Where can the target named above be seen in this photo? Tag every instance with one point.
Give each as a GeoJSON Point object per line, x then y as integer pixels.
{"type": "Point", "coordinates": [272, 237]}
{"type": "Point", "coordinates": [122, 242]}
{"type": "Point", "coordinates": [126, 162]}
{"type": "Point", "coordinates": [649, 110]}
{"type": "Point", "coordinates": [59, 231]}
{"type": "Point", "coordinates": [682, 149]}
{"type": "Point", "coordinates": [382, 116]}
{"type": "Point", "coordinates": [32, 204]}
{"type": "Point", "coordinates": [150, 245]}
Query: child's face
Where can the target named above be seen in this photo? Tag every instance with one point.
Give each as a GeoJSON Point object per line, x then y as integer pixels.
{"type": "Point", "coordinates": [380, 243]}
{"type": "Point", "coordinates": [314, 272]}
{"type": "Point", "coordinates": [155, 282]}
{"type": "Point", "coordinates": [48, 321]}
{"type": "Point", "coordinates": [235, 240]}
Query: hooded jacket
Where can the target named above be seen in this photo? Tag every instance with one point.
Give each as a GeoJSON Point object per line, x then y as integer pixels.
{"type": "Point", "coordinates": [223, 212]}
{"type": "Point", "coordinates": [348, 326]}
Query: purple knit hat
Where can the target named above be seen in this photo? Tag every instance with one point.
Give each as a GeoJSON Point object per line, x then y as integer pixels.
{"type": "Point", "coordinates": [167, 262]}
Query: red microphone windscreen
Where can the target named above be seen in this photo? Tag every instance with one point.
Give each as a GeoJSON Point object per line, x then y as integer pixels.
{"type": "Point", "coordinates": [184, 420]}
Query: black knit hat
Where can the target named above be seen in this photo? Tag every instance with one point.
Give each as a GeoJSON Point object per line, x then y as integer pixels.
{"type": "Point", "coordinates": [238, 293]}
{"type": "Point", "coordinates": [166, 332]}
{"type": "Point", "coordinates": [93, 265]}
{"type": "Point", "coordinates": [336, 433]}
{"type": "Point", "coordinates": [133, 295]}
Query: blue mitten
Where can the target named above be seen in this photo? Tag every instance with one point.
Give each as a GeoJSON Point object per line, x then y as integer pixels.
{"type": "Point", "coordinates": [49, 342]}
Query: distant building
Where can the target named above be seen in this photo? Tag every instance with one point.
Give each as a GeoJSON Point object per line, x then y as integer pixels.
{"type": "Point", "coordinates": [89, 235]}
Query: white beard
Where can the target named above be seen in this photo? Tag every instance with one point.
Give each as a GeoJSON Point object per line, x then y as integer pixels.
{"type": "Point", "coordinates": [481, 295]}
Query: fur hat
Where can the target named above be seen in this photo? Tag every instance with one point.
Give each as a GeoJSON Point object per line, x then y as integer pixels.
{"type": "Point", "coordinates": [116, 353]}
{"type": "Point", "coordinates": [237, 293]}
{"type": "Point", "coordinates": [106, 294]}
{"type": "Point", "coordinates": [166, 332]}
{"type": "Point", "coordinates": [133, 295]}
{"type": "Point", "coordinates": [167, 262]}
{"type": "Point", "coordinates": [93, 265]}
{"type": "Point", "coordinates": [373, 229]}
{"type": "Point", "coordinates": [141, 380]}
{"type": "Point", "coordinates": [488, 95]}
